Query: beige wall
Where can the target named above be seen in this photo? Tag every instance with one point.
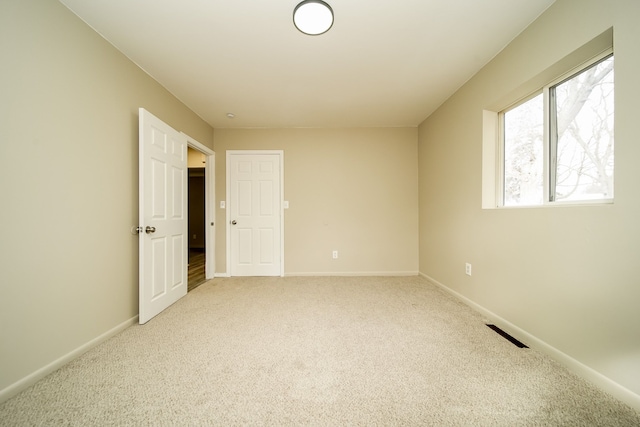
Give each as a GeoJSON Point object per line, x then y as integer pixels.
{"type": "Point", "coordinates": [351, 190]}
{"type": "Point", "coordinates": [565, 275]}
{"type": "Point", "coordinates": [69, 103]}
{"type": "Point", "coordinates": [195, 159]}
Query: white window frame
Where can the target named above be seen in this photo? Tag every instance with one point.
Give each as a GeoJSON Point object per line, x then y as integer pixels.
{"type": "Point", "coordinates": [493, 157]}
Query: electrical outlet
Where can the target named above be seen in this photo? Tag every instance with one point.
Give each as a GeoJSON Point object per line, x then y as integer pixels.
{"type": "Point", "coordinates": [467, 269]}
{"type": "Point", "coordinates": [335, 254]}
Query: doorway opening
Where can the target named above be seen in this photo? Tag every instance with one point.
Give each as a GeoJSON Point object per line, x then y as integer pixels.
{"type": "Point", "coordinates": [201, 214]}
{"type": "Point", "coordinates": [196, 208]}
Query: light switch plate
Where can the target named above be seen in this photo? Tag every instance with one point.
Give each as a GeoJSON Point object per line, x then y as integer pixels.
{"type": "Point", "coordinates": [223, 204]}
{"type": "Point", "coordinates": [285, 204]}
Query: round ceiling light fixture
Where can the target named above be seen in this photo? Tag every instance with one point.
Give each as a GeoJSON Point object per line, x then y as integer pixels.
{"type": "Point", "coordinates": [313, 17]}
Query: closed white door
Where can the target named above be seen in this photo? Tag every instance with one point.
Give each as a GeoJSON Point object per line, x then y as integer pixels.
{"type": "Point", "coordinates": [163, 216]}
{"type": "Point", "coordinates": [255, 213]}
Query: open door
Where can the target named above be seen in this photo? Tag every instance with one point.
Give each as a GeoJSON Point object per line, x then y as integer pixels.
{"type": "Point", "coordinates": [163, 216]}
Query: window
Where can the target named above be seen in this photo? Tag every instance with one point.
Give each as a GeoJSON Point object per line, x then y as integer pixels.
{"type": "Point", "coordinates": [557, 144]}
{"type": "Point", "coordinates": [523, 151]}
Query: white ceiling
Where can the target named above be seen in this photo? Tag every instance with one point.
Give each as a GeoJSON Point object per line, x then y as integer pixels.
{"type": "Point", "coordinates": [384, 62]}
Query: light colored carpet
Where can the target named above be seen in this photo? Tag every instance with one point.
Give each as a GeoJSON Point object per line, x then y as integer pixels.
{"type": "Point", "coordinates": [314, 351]}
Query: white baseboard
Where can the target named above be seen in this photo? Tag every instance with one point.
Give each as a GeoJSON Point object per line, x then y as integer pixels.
{"type": "Point", "coordinates": [342, 273]}
{"type": "Point", "coordinates": [36, 376]}
{"type": "Point", "coordinates": [605, 383]}
{"type": "Point", "coordinates": [353, 273]}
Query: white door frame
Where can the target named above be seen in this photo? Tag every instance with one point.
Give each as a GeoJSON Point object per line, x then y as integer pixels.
{"type": "Point", "coordinates": [280, 154]}
{"type": "Point", "coordinates": [209, 204]}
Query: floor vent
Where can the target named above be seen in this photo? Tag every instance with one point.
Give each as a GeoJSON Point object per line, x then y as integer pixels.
{"type": "Point", "coordinates": [507, 336]}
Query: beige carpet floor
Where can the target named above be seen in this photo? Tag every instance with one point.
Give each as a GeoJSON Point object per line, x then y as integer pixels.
{"type": "Point", "coordinates": [315, 351]}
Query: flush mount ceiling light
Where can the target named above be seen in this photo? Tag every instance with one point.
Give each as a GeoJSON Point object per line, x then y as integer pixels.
{"type": "Point", "coordinates": [313, 17]}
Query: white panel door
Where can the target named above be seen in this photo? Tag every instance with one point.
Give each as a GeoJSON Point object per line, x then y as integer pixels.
{"type": "Point", "coordinates": [255, 214]}
{"type": "Point", "coordinates": [163, 216]}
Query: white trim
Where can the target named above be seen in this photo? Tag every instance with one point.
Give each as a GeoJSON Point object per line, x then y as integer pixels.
{"type": "Point", "coordinates": [279, 153]}
{"type": "Point", "coordinates": [26, 382]}
{"type": "Point", "coordinates": [353, 273]}
{"type": "Point", "coordinates": [210, 216]}
{"type": "Point", "coordinates": [193, 143]}
{"type": "Point", "coordinates": [605, 383]}
{"type": "Point", "coordinates": [209, 204]}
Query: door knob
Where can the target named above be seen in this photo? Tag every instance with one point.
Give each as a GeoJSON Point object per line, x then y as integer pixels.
{"type": "Point", "coordinates": [149, 230]}
{"type": "Point", "coordinates": [233, 222]}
